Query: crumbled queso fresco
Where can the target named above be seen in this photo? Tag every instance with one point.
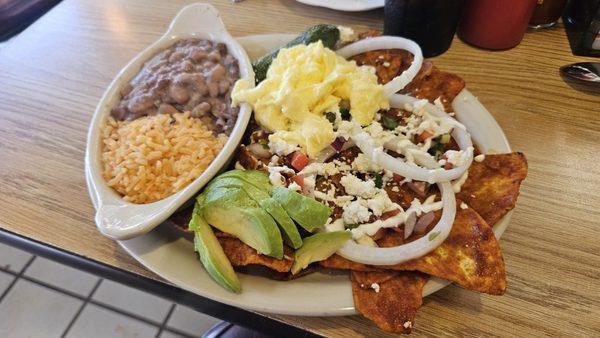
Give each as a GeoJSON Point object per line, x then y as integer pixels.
{"type": "Point", "coordinates": [365, 201]}
{"type": "Point", "coordinates": [375, 287]}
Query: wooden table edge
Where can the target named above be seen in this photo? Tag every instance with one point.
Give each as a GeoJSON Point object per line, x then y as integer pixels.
{"type": "Point", "coordinates": [232, 314]}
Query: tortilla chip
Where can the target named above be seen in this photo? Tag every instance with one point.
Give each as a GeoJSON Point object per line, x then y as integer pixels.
{"type": "Point", "coordinates": [394, 307]}
{"type": "Point", "coordinates": [369, 34]}
{"type": "Point", "coordinates": [240, 254]}
{"type": "Point", "coordinates": [338, 262]}
{"type": "Point", "coordinates": [470, 256]}
{"type": "Point", "coordinates": [388, 63]}
{"type": "Point", "coordinates": [435, 84]}
{"type": "Point", "coordinates": [365, 280]}
{"type": "Point", "coordinates": [249, 161]}
{"type": "Point", "coordinates": [430, 83]}
{"type": "Point", "coordinates": [401, 194]}
{"type": "Point", "coordinates": [492, 187]}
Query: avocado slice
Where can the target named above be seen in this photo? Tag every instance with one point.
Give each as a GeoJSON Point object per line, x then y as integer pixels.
{"type": "Point", "coordinates": [307, 212]}
{"type": "Point", "coordinates": [232, 196]}
{"type": "Point", "coordinates": [319, 247]}
{"type": "Point", "coordinates": [231, 210]}
{"type": "Point", "coordinates": [257, 178]}
{"type": "Point", "coordinates": [290, 233]}
{"type": "Point", "coordinates": [212, 256]}
{"type": "Point", "coordinates": [252, 225]}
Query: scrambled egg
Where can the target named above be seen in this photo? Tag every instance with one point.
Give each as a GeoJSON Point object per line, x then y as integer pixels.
{"type": "Point", "coordinates": [305, 82]}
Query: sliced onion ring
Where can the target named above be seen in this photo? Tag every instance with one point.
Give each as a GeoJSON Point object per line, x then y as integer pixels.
{"type": "Point", "coordinates": [418, 248]}
{"type": "Point", "coordinates": [388, 42]}
{"type": "Point", "coordinates": [408, 170]}
{"type": "Point", "coordinates": [460, 134]}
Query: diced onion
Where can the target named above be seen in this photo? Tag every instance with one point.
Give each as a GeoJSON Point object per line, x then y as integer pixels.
{"type": "Point", "coordinates": [402, 253]}
{"type": "Point", "coordinates": [418, 187]}
{"type": "Point", "coordinates": [259, 150]}
{"type": "Point", "coordinates": [424, 221]}
{"type": "Point", "coordinates": [409, 225]}
{"type": "Point", "coordinates": [338, 143]}
{"type": "Point", "coordinates": [388, 42]}
{"type": "Point", "coordinates": [330, 151]}
{"type": "Point", "coordinates": [412, 171]}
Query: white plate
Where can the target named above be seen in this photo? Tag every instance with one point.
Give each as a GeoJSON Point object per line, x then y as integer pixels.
{"type": "Point", "coordinates": [346, 5]}
{"type": "Point", "coordinates": [170, 256]}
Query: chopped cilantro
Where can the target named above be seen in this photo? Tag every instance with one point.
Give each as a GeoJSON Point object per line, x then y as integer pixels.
{"type": "Point", "coordinates": [378, 178]}
{"type": "Point", "coordinates": [438, 145]}
{"type": "Point", "coordinates": [389, 122]}
{"type": "Point", "coordinates": [330, 116]}
{"type": "Point", "coordinates": [433, 235]}
{"type": "Point", "coordinates": [345, 112]}
{"type": "Point", "coordinates": [352, 226]}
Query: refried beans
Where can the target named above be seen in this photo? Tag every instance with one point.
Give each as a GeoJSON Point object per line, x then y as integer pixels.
{"type": "Point", "coordinates": [192, 75]}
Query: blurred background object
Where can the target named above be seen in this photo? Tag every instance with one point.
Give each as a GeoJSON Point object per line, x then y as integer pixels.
{"type": "Point", "coordinates": [430, 23]}
{"type": "Point", "coordinates": [495, 24]}
{"type": "Point", "coordinates": [547, 13]}
{"type": "Point", "coordinates": [16, 15]}
{"type": "Point", "coordinates": [582, 22]}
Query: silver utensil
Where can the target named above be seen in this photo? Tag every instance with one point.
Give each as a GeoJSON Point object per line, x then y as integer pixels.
{"type": "Point", "coordinates": [583, 71]}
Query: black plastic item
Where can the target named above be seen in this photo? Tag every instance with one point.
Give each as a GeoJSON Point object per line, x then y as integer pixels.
{"type": "Point", "coordinates": [578, 77]}
{"type": "Point", "coordinates": [16, 15]}
{"type": "Point", "coordinates": [582, 23]}
{"type": "Point", "coordinates": [430, 23]}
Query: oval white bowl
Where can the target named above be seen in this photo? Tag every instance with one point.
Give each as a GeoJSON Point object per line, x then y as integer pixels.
{"type": "Point", "coordinates": [317, 294]}
{"type": "Point", "coordinates": [115, 217]}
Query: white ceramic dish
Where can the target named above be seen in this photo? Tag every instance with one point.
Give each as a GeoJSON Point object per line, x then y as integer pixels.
{"type": "Point", "coordinates": [171, 256]}
{"type": "Point", "coordinates": [115, 217]}
{"type": "Point", "coordinates": [346, 5]}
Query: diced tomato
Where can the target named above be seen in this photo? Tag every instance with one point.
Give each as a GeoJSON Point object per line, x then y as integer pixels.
{"type": "Point", "coordinates": [423, 136]}
{"type": "Point", "coordinates": [299, 179]}
{"type": "Point", "coordinates": [389, 214]}
{"type": "Point", "coordinates": [299, 160]}
{"type": "Point", "coordinates": [397, 178]}
{"type": "Point", "coordinates": [447, 165]}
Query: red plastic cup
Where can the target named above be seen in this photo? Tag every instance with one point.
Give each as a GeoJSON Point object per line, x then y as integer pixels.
{"type": "Point", "coordinates": [495, 24]}
{"type": "Point", "coordinates": [546, 13]}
